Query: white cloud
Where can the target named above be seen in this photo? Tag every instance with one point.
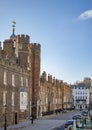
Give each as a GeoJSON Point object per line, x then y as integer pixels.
{"type": "Point", "coordinates": [86, 15]}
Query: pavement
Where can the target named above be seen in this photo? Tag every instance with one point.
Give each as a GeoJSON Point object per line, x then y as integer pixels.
{"type": "Point", "coordinates": [38, 124]}
{"type": "Point", "coordinates": [88, 125]}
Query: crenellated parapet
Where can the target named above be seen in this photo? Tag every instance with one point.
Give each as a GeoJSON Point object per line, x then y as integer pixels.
{"type": "Point", "coordinates": [35, 46]}
{"type": "Point", "coordinates": [54, 81]}
{"type": "Point", "coordinates": [8, 48]}
{"type": "Point", "coordinates": [23, 38]}
{"type": "Point", "coordinates": [43, 77]}
{"type": "Point", "coordinates": [49, 78]}
{"type": "Point", "coordinates": [57, 82]}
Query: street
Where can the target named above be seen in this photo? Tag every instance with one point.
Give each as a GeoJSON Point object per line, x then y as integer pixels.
{"type": "Point", "coordinates": [51, 122]}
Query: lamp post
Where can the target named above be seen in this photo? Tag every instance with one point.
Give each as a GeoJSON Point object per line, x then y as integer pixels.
{"type": "Point", "coordinates": [5, 121]}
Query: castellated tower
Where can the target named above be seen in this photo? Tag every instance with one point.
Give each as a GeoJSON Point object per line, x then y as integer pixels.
{"type": "Point", "coordinates": [35, 65]}
{"type": "Point", "coordinates": [8, 48]}
{"type": "Point", "coordinates": [21, 50]}
{"type": "Point", "coordinates": [29, 58]}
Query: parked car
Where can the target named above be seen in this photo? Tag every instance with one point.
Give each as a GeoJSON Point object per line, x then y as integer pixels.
{"type": "Point", "coordinates": [84, 113]}
{"type": "Point", "coordinates": [86, 110]}
{"type": "Point", "coordinates": [68, 123]}
{"type": "Point", "coordinates": [80, 120]}
{"type": "Point", "coordinates": [76, 116]}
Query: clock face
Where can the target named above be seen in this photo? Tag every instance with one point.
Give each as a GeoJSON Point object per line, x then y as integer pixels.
{"type": "Point", "coordinates": [20, 46]}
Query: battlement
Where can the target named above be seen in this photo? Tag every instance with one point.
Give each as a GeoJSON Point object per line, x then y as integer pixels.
{"type": "Point", "coordinates": [35, 45]}
{"type": "Point", "coordinates": [8, 41]}
{"type": "Point", "coordinates": [23, 37]}
{"type": "Point", "coordinates": [50, 79]}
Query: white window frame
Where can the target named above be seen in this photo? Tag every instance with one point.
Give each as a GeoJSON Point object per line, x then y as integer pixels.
{"type": "Point", "coordinates": [4, 98]}
{"type": "Point", "coordinates": [26, 82]}
{"type": "Point", "coordinates": [13, 97]}
{"type": "Point", "coordinates": [13, 80]}
{"type": "Point", "coordinates": [21, 81]}
{"type": "Point", "coordinates": [5, 78]}
{"type": "Point", "coordinates": [23, 100]}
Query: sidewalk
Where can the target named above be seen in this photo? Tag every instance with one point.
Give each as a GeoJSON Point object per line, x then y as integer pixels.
{"type": "Point", "coordinates": [39, 124]}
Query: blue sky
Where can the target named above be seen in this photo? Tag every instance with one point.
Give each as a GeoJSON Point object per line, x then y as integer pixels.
{"type": "Point", "coordinates": [62, 27]}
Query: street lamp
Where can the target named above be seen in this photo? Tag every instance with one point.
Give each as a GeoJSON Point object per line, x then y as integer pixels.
{"type": "Point", "coordinates": [5, 121]}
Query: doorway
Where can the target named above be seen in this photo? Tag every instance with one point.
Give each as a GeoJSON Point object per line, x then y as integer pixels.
{"type": "Point", "coordinates": [16, 118]}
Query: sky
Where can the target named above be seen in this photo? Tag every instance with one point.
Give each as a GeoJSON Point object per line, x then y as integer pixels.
{"type": "Point", "coordinates": [62, 27]}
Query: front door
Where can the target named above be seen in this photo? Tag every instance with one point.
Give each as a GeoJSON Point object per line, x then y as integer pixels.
{"type": "Point", "coordinates": [16, 117]}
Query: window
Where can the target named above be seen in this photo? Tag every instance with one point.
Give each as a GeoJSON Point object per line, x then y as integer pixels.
{"type": "Point", "coordinates": [13, 98]}
{"type": "Point", "coordinates": [5, 78]}
{"type": "Point", "coordinates": [26, 82]}
{"type": "Point", "coordinates": [4, 98]}
{"type": "Point", "coordinates": [20, 46]}
{"type": "Point", "coordinates": [23, 100]}
{"type": "Point", "coordinates": [13, 80]}
{"type": "Point", "coordinates": [21, 81]}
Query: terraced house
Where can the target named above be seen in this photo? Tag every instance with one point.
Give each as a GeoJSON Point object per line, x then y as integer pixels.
{"type": "Point", "coordinates": [56, 95]}
{"type": "Point", "coordinates": [22, 90]}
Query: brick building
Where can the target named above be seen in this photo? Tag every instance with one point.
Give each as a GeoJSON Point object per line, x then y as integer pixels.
{"type": "Point", "coordinates": [14, 92]}
{"type": "Point", "coordinates": [23, 90]}
{"type": "Point", "coordinates": [67, 96]}
{"type": "Point", "coordinates": [55, 95]}
{"type": "Point", "coordinates": [19, 78]}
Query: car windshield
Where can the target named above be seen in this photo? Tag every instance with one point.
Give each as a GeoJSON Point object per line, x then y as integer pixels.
{"type": "Point", "coordinates": [69, 121]}
{"type": "Point", "coordinates": [77, 116]}
{"type": "Point", "coordinates": [84, 112]}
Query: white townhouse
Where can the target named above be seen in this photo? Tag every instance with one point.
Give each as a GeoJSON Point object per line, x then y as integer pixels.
{"type": "Point", "coordinates": [81, 96]}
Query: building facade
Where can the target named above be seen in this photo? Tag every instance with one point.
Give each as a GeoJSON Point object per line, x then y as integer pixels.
{"type": "Point", "coordinates": [67, 96]}
{"type": "Point", "coordinates": [55, 94]}
{"type": "Point", "coordinates": [81, 94]}
{"type": "Point", "coordinates": [19, 78]}
{"type": "Point", "coordinates": [14, 92]}
{"type": "Point", "coordinates": [23, 90]}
